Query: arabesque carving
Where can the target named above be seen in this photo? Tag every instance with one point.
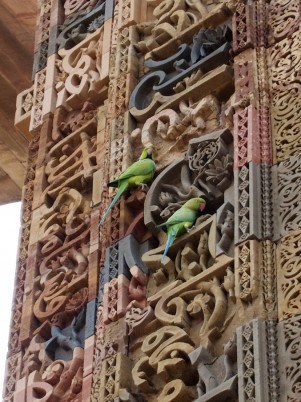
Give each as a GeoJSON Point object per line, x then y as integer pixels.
{"type": "Point", "coordinates": [71, 163]}
{"type": "Point", "coordinates": [82, 74]}
{"type": "Point", "coordinates": [71, 6]}
{"type": "Point", "coordinates": [62, 290]}
{"type": "Point", "coordinates": [285, 63]}
{"type": "Point", "coordinates": [82, 23]}
{"type": "Point", "coordinates": [179, 76]}
{"type": "Point", "coordinates": [174, 18]}
{"type": "Point", "coordinates": [289, 332]}
{"type": "Point", "coordinates": [207, 169]}
{"type": "Point", "coordinates": [289, 175]}
{"type": "Point", "coordinates": [288, 273]}
{"type": "Point", "coordinates": [284, 18]}
{"type": "Point", "coordinates": [169, 131]}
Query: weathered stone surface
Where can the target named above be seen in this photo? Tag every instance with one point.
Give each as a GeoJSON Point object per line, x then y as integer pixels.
{"type": "Point", "coordinates": [251, 362]}
{"type": "Point", "coordinates": [99, 315]}
{"type": "Point", "coordinates": [289, 345]}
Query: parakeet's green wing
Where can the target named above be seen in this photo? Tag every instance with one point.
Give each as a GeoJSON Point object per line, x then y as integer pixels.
{"type": "Point", "coordinates": [182, 215]}
{"type": "Point", "coordinates": [139, 168]}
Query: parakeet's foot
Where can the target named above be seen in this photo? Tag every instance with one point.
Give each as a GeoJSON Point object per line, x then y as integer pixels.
{"type": "Point", "coordinates": [188, 230]}
{"type": "Point", "coordinates": [143, 186]}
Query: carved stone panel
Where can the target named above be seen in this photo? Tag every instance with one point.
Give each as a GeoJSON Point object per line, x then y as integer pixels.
{"type": "Point", "coordinates": [247, 203]}
{"type": "Point", "coordinates": [251, 362]}
{"type": "Point", "coordinates": [289, 176]}
{"type": "Point", "coordinates": [82, 74]}
{"type": "Point", "coordinates": [284, 18]}
{"type": "Point", "coordinates": [285, 64]}
{"type": "Point", "coordinates": [207, 169]}
{"type": "Point", "coordinates": [80, 24]}
{"type": "Point", "coordinates": [180, 76]}
{"type": "Point", "coordinates": [71, 163]}
{"type": "Point", "coordinates": [288, 267]}
{"type": "Point", "coordinates": [289, 332]}
{"type": "Point", "coordinates": [170, 131]}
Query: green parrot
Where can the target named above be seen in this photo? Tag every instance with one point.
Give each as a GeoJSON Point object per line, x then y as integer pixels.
{"type": "Point", "coordinates": [139, 173]}
{"type": "Point", "coordinates": [182, 220]}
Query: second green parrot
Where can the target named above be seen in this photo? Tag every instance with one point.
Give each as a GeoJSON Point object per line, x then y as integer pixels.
{"type": "Point", "coordinates": [138, 174]}
{"type": "Point", "coordinates": [182, 220]}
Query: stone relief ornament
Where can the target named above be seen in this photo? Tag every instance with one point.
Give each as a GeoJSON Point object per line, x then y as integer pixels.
{"type": "Point", "coordinates": [169, 131]}
{"type": "Point", "coordinates": [205, 170]}
{"type": "Point", "coordinates": [82, 75]}
{"type": "Point", "coordinates": [61, 291]}
{"type": "Point", "coordinates": [285, 63]}
{"type": "Point", "coordinates": [289, 332]}
{"type": "Point", "coordinates": [289, 275]}
{"type": "Point", "coordinates": [217, 376]}
{"type": "Point", "coordinates": [71, 162]}
{"type": "Point", "coordinates": [289, 176]}
{"type": "Point", "coordinates": [65, 220]}
{"type": "Point", "coordinates": [71, 6]}
{"type": "Point", "coordinates": [66, 122]}
{"type": "Point", "coordinates": [284, 18]}
{"type": "Point", "coordinates": [176, 74]}
{"type": "Point", "coordinates": [174, 19]}
{"type": "Point", "coordinates": [78, 25]}
{"type": "Point", "coordinates": [190, 255]}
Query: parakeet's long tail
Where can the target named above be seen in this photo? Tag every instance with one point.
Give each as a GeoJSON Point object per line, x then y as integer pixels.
{"type": "Point", "coordinates": [123, 187]}
{"type": "Point", "coordinates": [170, 239]}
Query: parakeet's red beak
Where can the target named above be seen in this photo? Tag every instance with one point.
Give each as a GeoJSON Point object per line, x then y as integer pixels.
{"type": "Point", "coordinates": [202, 207]}
{"type": "Point", "coordinates": [149, 151]}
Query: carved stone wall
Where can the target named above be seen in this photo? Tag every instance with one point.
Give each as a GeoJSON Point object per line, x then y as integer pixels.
{"type": "Point", "coordinates": [98, 314]}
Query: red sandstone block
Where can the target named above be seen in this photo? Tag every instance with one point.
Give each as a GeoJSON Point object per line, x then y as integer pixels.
{"type": "Point", "coordinates": [93, 274]}
{"type": "Point", "coordinates": [57, 13]}
{"type": "Point", "coordinates": [105, 66]}
{"type": "Point", "coordinates": [244, 75]}
{"type": "Point", "coordinates": [243, 28]}
{"type": "Point", "coordinates": [87, 388]}
{"type": "Point", "coordinates": [94, 233]}
{"type": "Point", "coordinates": [45, 137]}
{"type": "Point", "coordinates": [247, 139]}
{"type": "Point", "coordinates": [88, 357]}
{"type": "Point", "coordinates": [107, 35]}
{"type": "Point", "coordinates": [137, 11]}
{"type": "Point", "coordinates": [49, 102]}
{"type": "Point", "coordinates": [20, 392]}
{"type": "Point", "coordinates": [123, 295]}
{"type": "Point", "coordinates": [34, 383]}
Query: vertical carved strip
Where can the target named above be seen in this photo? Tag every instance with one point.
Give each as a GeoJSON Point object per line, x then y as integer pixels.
{"type": "Point", "coordinates": [243, 28]}
{"type": "Point", "coordinates": [247, 258]}
{"type": "Point", "coordinates": [272, 358]}
{"type": "Point", "coordinates": [247, 205]}
{"type": "Point", "coordinates": [37, 110]}
{"type": "Point", "coordinates": [12, 375]}
{"type": "Point", "coordinates": [268, 278]}
{"type": "Point", "coordinates": [289, 333]}
{"type": "Point", "coordinates": [246, 137]}
{"type": "Point", "coordinates": [14, 363]}
{"type": "Point", "coordinates": [267, 224]}
{"type": "Point", "coordinates": [251, 361]}
{"type": "Point", "coordinates": [244, 80]}
{"type": "Point", "coordinates": [42, 37]}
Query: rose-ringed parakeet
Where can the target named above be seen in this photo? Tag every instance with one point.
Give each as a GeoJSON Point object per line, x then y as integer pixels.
{"type": "Point", "coordinates": [138, 174]}
{"type": "Point", "coordinates": [181, 221]}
